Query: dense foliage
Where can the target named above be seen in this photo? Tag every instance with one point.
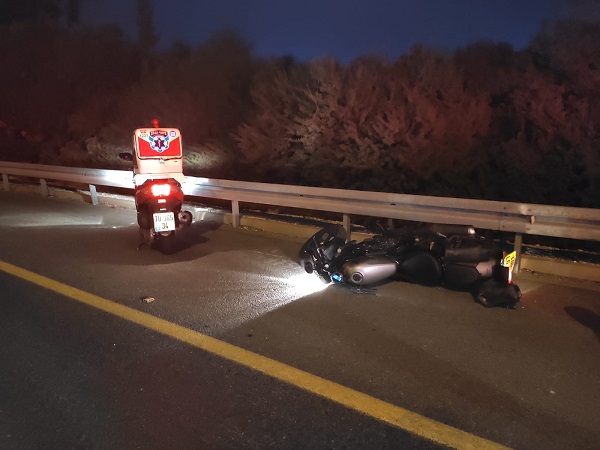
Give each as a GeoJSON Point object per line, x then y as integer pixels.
{"type": "Point", "coordinates": [483, 122]}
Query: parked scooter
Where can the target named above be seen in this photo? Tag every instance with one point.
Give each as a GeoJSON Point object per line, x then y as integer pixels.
{"type": "Point", "coordinates": [158, 177]}
{"type": "Point", "coordinates": [453, 256]}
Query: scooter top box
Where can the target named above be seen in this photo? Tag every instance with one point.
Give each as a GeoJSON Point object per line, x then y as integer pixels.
{"type": "Point", "coordinates": [157, 143]}
{"type": "Point", "coordinates": [158, 153]}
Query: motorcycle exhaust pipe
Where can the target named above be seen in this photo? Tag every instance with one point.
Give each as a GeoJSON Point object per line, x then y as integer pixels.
{"type": "Point", "coordinates": [368, 270]}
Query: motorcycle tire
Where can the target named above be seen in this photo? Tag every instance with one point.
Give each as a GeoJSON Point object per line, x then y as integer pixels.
{"type": "Point", "coordinates": [324, 277]}
{"type": "Point", "coordinates": [144, 217]}
{"type": "Point", "coordinates": [166, 244]}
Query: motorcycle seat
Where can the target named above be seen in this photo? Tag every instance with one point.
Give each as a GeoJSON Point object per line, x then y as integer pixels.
{"type": "Point", "coordinates": [420, 267]}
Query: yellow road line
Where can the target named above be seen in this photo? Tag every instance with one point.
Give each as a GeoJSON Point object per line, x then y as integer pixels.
{"type": "Point", "coordinates": [358, 401]}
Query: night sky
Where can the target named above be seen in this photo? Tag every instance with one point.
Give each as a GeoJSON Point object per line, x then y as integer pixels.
{"type": "Point", "coordinates": [344, 29]}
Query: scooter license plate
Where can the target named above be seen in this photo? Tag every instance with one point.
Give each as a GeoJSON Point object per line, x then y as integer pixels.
{"type": "Point", "coordinates": [164, 222]}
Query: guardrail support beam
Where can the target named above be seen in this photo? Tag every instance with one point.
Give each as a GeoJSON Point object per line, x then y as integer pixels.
{"type": "Point", "coordinates": [94, 195]}
{"type": "Point", "coordinates": [235, 213]}
{"type": "Point", "coordinates": [347, 226]}
{"type": "Point", "coordinates": [5, 181]}
{"type": "Point", "coordinates": [518, 245]}
{"type": "Point", "coordinates": [44, 188]}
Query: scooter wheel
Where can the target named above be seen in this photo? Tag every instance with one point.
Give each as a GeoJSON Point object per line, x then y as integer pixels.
{"type": "Point", "coordinates": [166, 244]}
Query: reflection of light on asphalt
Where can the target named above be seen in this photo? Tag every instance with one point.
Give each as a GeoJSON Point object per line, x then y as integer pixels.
{"type": "Point", "coordinates": [264, 294]}
{"type": "Point", "coordinates": [50, 220]}
{"type": "Point", "coordinates": [303, 284]}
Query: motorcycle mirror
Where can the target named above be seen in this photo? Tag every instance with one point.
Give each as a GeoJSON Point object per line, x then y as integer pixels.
{"type": "Point", "coordinates": [308, 267]}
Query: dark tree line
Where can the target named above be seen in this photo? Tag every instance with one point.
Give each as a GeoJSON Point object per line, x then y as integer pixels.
{"type": "Point", "coordinates": [482, 122]}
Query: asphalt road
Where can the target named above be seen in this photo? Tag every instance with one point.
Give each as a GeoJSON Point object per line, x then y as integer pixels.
{"type": "Point", "coordinates": [85, 362]}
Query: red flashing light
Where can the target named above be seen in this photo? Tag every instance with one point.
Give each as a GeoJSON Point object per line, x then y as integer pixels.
{"type": "Point", "coordinates": [155, 123]}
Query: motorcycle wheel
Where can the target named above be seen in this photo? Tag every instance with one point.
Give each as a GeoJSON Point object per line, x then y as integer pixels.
{"type": "Point", "coordinates": [323, 276]}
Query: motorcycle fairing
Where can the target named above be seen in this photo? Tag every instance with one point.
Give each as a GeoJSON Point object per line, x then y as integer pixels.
{"type": "Point", "coordinates": [144, 194]}
{"type": "Point", "coordinates": [146, 210]}
{"type": "Point", "coordinates": [147, 204]}
{"type": "Point", "coordinates": [461, 276]}
{"type": "Point", "coordinates": [319, 251]}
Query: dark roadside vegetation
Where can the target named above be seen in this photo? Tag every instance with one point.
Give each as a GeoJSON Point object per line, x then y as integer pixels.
{"type": "Point", "coordinates": [482, 122]}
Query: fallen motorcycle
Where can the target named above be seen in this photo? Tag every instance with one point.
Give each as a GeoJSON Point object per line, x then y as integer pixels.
{"type": "Point", "coordinates": [452, 256]}
{"type": "Point", "coordinates": [158, 177]}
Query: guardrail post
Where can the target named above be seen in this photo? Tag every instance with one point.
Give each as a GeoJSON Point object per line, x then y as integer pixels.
{"type": "Point", "coordinates": [518, 245]}
{"type": "Point", "coordinates": [5, 181]}
{"type": "Point", "coordinates": [44, 188]}
{"type": "Point", "coordinates": [347, 226]}
{"type": "Point", "coordinates": [94, 194]}
{"type": "Point", "coordinates": [235, 213]}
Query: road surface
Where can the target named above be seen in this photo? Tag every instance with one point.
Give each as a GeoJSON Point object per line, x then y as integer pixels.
{"type": "Point", "coordinates": [229, 344]}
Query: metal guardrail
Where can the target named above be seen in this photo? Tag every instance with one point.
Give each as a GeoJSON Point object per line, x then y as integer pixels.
{"type": "Point", "coordinates": [518, 218]}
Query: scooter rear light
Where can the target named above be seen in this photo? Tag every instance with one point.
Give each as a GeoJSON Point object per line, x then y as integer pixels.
{"type": "Point", "coordinates": [161, 190]}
